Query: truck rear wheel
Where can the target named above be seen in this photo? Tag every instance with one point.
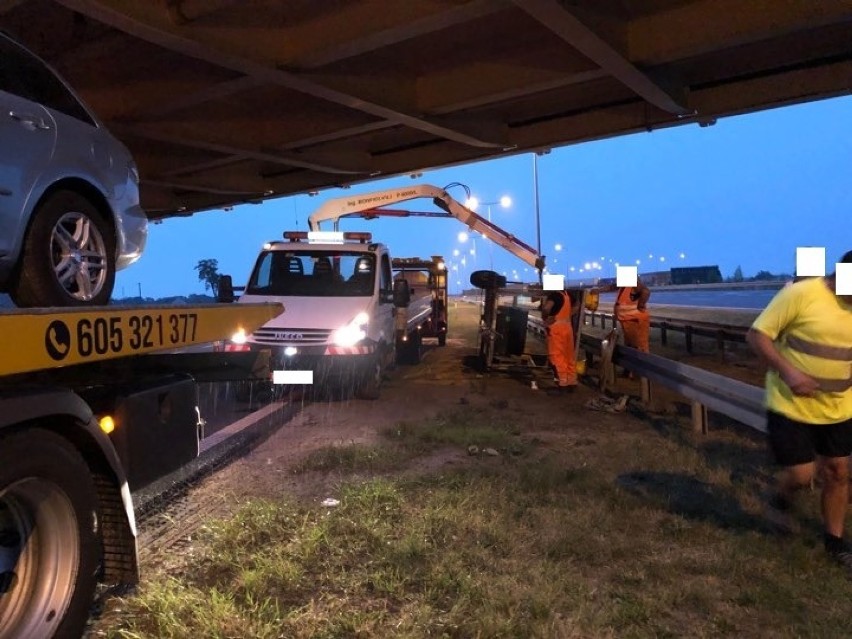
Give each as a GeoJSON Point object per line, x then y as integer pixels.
{"type": "Point", "coordinates": [411, 351]}
{"type": "Point", "coordinates": [50, 549]}
{"type": "Point", "coordinates": [371, 385]}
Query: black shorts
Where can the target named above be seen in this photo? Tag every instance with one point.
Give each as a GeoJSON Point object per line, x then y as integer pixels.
{"type": "Point", "coordinates": [795, 443]}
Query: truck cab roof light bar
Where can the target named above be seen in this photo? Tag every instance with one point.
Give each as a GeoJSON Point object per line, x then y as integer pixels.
{"type": "Point", "coordinates": [328, 237]}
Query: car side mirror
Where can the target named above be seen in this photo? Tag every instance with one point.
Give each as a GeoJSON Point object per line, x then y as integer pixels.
{"type": "Point", "coordinates": [225, 292]}
{"type": "Point", "coordinates": [401, 294]}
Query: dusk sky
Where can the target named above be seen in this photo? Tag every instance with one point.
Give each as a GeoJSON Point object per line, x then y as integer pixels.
{"type": "Point", "coordinates": [745, 192]}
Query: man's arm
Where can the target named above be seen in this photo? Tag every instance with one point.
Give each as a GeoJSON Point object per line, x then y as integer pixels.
{"type": "Point", "coordinates": [764, 348]}
{"type": "Point", "coordinates": [546, 309]}
{"type": "Point", "coordinates": [644, 296]}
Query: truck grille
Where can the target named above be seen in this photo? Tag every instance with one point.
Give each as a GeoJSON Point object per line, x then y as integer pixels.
{"type": "Point", "coordinates": [291, 336]}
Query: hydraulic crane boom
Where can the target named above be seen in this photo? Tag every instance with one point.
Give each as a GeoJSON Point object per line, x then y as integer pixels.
{"type": "Point", "coordinates": [367, 206]}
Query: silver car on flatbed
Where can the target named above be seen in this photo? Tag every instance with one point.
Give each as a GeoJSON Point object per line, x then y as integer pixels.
{"type": "Point", "coordinates": [69, 191]}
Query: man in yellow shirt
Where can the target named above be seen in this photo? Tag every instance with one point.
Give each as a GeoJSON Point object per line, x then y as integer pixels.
{"type": "Point", "coordinates": [805, 338]}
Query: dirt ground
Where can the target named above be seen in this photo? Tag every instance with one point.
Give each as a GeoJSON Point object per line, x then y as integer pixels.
{"type": "Point", "coordinates": [440, 382]}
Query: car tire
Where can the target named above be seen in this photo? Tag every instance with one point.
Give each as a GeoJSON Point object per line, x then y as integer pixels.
{"type": "Point", "coordinates": [487, 279]}
{"type": "Point", "coordinates": [68, 234]}
{"type": "Point", "coordinates": [52, 544]}
{"type": "Point", "coordinates": [442, 339]}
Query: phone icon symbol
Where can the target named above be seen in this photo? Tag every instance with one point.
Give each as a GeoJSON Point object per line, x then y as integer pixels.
{"type": "Point", "coordinates": [57, 340]}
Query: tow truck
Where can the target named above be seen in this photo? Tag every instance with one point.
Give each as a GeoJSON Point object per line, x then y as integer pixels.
{"type": "Point", "coordinates": [95, 403]}
{"type": "Point", "coordinates": [427, 281]}
{"type": "Point", "coordinates": [373, 205]}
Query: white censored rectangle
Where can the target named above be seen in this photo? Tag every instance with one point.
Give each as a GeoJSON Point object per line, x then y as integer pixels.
{"type": "Point", "coordinates": [292, 377]}
{"type": "Point", "coordinates": [844, 278]}
{"type": "Point", "coordinates": [626, 276]}
{"type": "Point", "coordinates": [810, 261]}
{"type": "Point", "coordinates": [552, 282]}
{"type": "Point", "coordinates": [326, 237]}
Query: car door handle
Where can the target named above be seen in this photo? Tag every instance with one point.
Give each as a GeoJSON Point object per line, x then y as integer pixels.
{"type": "Point", "coordinates": [32, 120]}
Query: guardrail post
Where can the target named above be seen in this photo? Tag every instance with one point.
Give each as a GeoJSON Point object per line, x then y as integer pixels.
{"type": "Point", "coordinates": [687, 331]}
{"type": "Point", "coordinates": [663, 335]}
{"type": "Point", "coordinates": [645, 386]}
{"type": "Point", "coordinates": [699, 418]}
{"type": "Point", "coordinates": [593, 318]}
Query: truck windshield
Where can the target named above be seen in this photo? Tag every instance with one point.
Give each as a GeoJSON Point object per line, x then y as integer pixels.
{"type": "Point", "coordinates": [313, 274]}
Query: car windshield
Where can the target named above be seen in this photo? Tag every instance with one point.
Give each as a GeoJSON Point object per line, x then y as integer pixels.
{"type": "Point", "coordinates": [313, 274]}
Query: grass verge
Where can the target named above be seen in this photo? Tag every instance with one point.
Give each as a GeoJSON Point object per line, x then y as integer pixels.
{"type": "Point", "coordinates": [648, 536]}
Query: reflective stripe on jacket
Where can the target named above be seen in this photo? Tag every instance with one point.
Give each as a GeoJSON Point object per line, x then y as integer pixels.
{"type": "Point", "coordinates": [563, 316]}
{"type": "Point", "coordinates": [824, 351]}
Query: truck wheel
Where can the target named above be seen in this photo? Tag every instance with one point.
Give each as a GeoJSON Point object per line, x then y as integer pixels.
{"type": "Point", "coordinates": [415, 354]}
{"type": "Point", "coordinates": [68, 258]}
{"type": "Point", "coordinates": [412, 352]}
{"type": "Point", "coordinates": [371, 385]}
{"type": "Point", "coordinates": [50, 547]}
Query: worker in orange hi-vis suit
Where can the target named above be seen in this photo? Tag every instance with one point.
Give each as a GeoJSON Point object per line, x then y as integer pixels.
{"type": "Point", "coordinates": [632, 311]}
{"type": "Point", "coordinates": [556, 313]}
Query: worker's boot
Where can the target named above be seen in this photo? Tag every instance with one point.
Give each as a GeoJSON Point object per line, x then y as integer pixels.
{"type": "Point", "coordinates": [561, 390]}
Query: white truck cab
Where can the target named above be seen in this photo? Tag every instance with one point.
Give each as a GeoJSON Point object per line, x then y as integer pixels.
{"type": "Point", "coordinates": [337, 289]}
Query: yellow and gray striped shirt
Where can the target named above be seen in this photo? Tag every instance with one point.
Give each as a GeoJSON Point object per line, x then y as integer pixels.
{"type": "Point", "coordinates": [812, 329]}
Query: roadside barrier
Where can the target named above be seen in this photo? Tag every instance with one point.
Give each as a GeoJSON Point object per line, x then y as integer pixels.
{"type": "Point", "coordinates": [707, 391]}
{"type": "Point", "coordinates": [720, 332]}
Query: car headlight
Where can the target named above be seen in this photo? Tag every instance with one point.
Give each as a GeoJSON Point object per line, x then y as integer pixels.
{"type": "Point", "coordinates": [239, 337]}
{"type": "Point", "coordinates": [352, 333]}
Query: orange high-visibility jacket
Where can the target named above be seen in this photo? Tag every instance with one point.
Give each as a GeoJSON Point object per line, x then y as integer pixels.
{"type": "Point", "coordinates": [627, 309]}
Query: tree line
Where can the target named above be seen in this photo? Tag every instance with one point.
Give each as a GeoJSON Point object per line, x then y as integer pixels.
{"type": "Point", "coordinates": [761, 276]}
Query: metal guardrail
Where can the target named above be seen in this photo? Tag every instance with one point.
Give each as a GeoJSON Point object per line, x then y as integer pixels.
{"type": "Point", "coordinates": [708, 391]}
{"type": "Point", "coordinates": [720, 332]}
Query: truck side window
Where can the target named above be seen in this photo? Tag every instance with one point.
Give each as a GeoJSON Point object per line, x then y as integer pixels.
{"type": "Point", "coordinates": [386, 282]}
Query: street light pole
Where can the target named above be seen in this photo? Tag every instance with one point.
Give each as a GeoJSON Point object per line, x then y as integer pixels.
{"type": "Point", "coordinates": [537, 212]}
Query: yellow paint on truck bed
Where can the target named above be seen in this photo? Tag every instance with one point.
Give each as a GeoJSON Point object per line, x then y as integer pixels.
{"type": "Point", "coordinates": [42, 339]}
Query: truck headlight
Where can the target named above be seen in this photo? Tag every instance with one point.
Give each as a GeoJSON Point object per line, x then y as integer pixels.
{"type": "Point", "coordinates": [239, 337]}
{"type": "Point", "coordinates": [352, 333]}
